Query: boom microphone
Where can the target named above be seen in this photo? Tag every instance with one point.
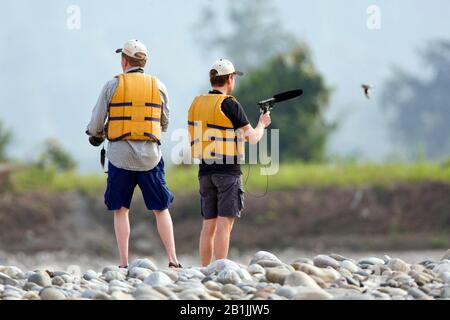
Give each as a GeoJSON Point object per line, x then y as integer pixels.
{"type": "Point", "coordinates": [267, 105]}
{"type": "Point", "coordinates": [288, 95]}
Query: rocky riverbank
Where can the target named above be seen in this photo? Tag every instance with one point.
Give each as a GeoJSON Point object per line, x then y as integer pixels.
{"type": "Point", "coordinates": [266, 277]}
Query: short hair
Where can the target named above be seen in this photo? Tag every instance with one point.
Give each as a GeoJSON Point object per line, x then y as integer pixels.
{"type": "Point", "coordinates": [135, 62]}
{"type": "Point", "coordinates": [218, 81]}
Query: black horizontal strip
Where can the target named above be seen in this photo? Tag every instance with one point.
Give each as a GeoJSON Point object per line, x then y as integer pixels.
{"type": "Point", "coordinates": [121, 137]}
{"type": "Point", "coordinates": [193, 124]}
{"type": "Point", "coordinates": [119, 118]}
{"type": "Point", "coordinates": [195, 142]}
{"type": "Point", "coordinates": [153, 137]}
{"type": "Point", "coordinates": [153, 105]}
{"type": "Point", "coordinates": [130, 104]}
{"type": "Point", "coordinates": [219, 155]}
{"type": "Point", "coordinates": [121, 104]}
{"type": "Point", "coordinates": [213, 126]}
{"type": "Point", "coordinates": [225, 139]}
{"type": "Point", "coordinates": [152, 119]}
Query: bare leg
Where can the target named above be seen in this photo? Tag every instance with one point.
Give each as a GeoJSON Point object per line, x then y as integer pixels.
{"type": "Point", "coordinates": [165, 230]}
{"type": "Point", "coordinates": [206, 246]}
{"type": "Point", "coordinates": [122, 229]}
{"type": "Point", "coordinates": [222, 240]}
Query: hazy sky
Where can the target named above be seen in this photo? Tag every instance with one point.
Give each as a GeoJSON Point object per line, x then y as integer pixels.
{"type": "Point", "coordinates": [51, 76]}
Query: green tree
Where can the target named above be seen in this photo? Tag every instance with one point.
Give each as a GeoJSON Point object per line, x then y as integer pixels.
{"type": "Point", "coordinates": [303, 129]}
{"type": "Point", "coordinates": [54, 156]}
{"type": "Point", "coordinates": [418, 105]}
{"type": "Point", "coordinates": [250, 33]}
{"type": "Point", "coordinates": [5, 140]}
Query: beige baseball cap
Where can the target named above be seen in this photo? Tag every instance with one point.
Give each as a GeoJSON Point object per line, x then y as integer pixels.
{"type": "Point", "coordinates": [225, 67]}
{"type": "Point", "coordinates": [134, 49]}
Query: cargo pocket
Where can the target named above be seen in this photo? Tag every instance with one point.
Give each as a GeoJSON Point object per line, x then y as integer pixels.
{"type": "Point", "coordinates": [241, 199]}
{"type": "Point", "coordinates": [241, 195]}
{"type": "Point", "coordinates": [107, 196]}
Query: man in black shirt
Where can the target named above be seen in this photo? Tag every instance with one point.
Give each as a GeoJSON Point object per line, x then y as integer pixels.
{"type": "Point", "coordinates": [220, 175]}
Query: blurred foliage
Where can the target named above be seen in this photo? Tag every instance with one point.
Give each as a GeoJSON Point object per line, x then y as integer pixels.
{"type": "Point", "coordinates": [296, 175]}
{"type": "Point", "coordinates": [290, 177]}
{"type": "Point", "coordinates": [5, 140]}
{"type": "Point", "coordinates": [303, 129]}
{"type": "Point", "coordinates": [54, 156]}
{"type": "Point", "coordinates": [419, 104]}
{"type": "Point", "coordinates": [250, 33]}
{"type": "Point", "coordinates": [32, 178]}
{"type": "Point", "coordinates": [49, 179]}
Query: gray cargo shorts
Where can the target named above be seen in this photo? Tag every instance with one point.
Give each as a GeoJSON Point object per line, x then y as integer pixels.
{"type": "Point", "coordinates": [221, 196]}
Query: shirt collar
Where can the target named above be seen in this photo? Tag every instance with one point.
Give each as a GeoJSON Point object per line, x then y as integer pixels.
{"type": "Point", "coordinates": [216, 92]}
{"type": "Point", "coordinates": [134, 69]}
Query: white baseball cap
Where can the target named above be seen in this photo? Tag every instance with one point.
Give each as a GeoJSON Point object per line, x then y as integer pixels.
{"type": "Point", "coordinates": [134, 49]}
{"type": "Point", "coordinates": [224, 67]}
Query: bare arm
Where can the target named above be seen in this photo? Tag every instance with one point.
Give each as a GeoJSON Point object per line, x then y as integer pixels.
{"type": "Point", "coordinates": [254, 135]}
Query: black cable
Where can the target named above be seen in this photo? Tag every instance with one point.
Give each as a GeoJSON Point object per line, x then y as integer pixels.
{"type": "Point", "coordinates": [251, 194]}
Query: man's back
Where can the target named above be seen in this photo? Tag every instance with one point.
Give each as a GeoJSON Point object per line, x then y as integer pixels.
{"type": "Point", "coordinates": [129, 155]}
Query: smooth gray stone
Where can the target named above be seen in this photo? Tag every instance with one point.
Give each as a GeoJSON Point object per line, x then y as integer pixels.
{"type": "Point", "coordinates": [52, 293]}
{"type": "Point", "coordinates": [340, 258]}
{"type": "Point", "coordinates": [143, 263]}
{"type": "Point", "coordinates": [417, 293]}
{"type": "Point", "coordinates": [31, 286]}
{"type": "Point", "coordinates": [158, 278]}
{"type": "Point", "coordinates": [91, 274]}
{"type": "Point", "coordinates": [264, 256]}
{"type": "Point", "coordinates": [119, 295]}
{"type": "Point", "coordinates": [5, 280]}
{"type": "Point", "coordinates": [90, 294]}
{"type": "Point", "coordinates": [13, 272]}
{"type": "Point", "coordinates": [58, 281]}
{"type": "Point", "coordinates": [299, 278]}
{"type": "Point", "coordinates": [269, 263]}
{"type": "Point", "coordinates": [166, 292]}
{"type": "Point", "coordinates": [256, 268]}
{"type": "Point", "coordinates": [231, 289]}
{"type": "Point", "coordinates": [287, 292]}
{"type": "Point", "coordinates": [114, 275]}
{"type": "Point", "coordinates": [228, 276]}
{"type": "Point", "coordinates": [146, 292]}
{"type": "Point", "coordinates": [354, 296]}
{"type": "Point", "coordinates": [213, 286]}
{"type": "Point", "coordinates": [446, 255]}
{"type": "Point", "coordinates": [60, 274]}
{"type": "Point", "coordinates": [349, 265]}
{"type": "Point", "coordinates": [304, 260]}
{"type": "Point", "coordinates": [371, 261]}
{"type": "Point", "coordinates": [445, 294]}
{"type": "Point", "coordinates": [220, 265]}
{"type": "Point", "coordinates": [323, 261]}
{"type": "Point", "coordinates": [442, 267]}
{"type": "Point", "coordinates": [102, 296]}
{"type": "Point", "coordinates": [277, 275]}
{"type": "Point", "coordinates": [312, 294]}
{"type": "Point", "coordinates": [398, 265]}
{"type": "Point", "coordinates": [40, 278]}
{"type": "Point", "coordinates": [68, 278]}
{"type": "Point", "coordinates": [191, 273]}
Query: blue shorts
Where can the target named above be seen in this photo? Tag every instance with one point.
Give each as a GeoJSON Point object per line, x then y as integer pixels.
{"type": "Point", "coordinates": [121, 184]}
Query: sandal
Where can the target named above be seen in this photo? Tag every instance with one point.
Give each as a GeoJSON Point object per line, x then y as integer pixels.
{"type": "Point", "coordinates": [175, 265]}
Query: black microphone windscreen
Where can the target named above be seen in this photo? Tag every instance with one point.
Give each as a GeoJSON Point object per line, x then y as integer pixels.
{"type": "Point", "coordinates": [288, 95]}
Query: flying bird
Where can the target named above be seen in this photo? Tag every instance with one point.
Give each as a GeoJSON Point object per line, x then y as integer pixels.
{"type": "Point", "coordinates": [367, 90]}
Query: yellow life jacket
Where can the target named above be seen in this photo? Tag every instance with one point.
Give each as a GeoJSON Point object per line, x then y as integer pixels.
{"type": "Point", "coordinates": [211, 132]}
{"type": "Point", "coordinates": [135, 110]}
